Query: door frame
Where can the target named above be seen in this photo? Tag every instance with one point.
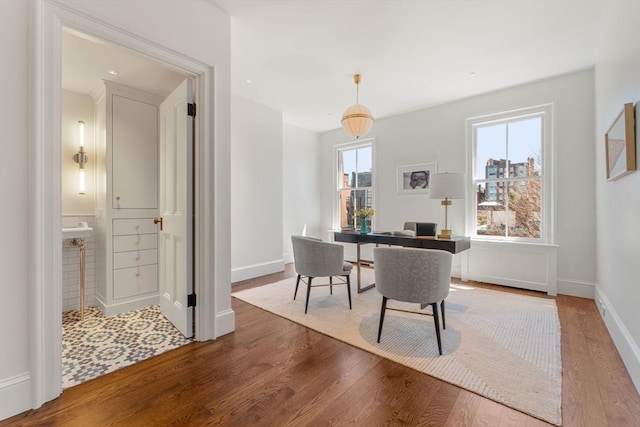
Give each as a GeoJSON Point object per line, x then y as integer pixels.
{"type": "Point", "coordinates": [48, 21]}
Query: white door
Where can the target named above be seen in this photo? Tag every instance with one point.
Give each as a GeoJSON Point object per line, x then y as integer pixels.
{"type": "Point", "coordinates": [176, 202]}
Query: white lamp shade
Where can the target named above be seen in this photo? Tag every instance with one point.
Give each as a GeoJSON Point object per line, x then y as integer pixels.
{"type": "Point", "coordinates": [447, 185]}
{"type": "Point", "coordinates": [357, 120]}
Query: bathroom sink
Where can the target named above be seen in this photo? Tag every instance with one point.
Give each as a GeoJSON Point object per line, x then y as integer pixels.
{"type": "Point", "coordinates": [76, 232]}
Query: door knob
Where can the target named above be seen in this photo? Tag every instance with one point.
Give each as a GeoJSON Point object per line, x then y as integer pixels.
{"type": "Point", "coordinates": [158, 220]}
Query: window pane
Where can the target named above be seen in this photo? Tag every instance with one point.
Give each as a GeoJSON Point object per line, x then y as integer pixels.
{"type": "Point", "coordinates": [365, 158]}
{"type": "Point", "coordinates": [346, 168]}
{"type": "Point", "coordinates": [525, 147]}
{"type": "Point", "coordinates": [346, 209]}
{"type": "Point", "coordinates": [491, 216]}
{"type": "Point", "coordinates": [491, 147]}
{"type": "Point", "coordinates": [524, 209]}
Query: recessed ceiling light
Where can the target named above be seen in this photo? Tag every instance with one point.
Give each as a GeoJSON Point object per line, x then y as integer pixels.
{"type": "Point", "coordinates": [472, 73]}
{"type": "Point", "coordinates": [249, 81]}
{"type": "Point", "coordinates": [113, 72]}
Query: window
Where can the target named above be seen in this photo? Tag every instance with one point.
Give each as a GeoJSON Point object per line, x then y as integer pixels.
{"type": "Point", "coordinates": [354, 181]}
{"type": "Point", "coordinates": [510, 175]}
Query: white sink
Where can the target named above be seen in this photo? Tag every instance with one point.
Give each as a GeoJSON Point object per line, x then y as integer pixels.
{"type": "Point", "coordinates": [76, 232]}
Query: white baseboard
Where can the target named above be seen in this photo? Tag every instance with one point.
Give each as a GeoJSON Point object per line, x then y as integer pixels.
{"type": "Point", "coordinates": [576, 288]}
{"type": "Point", "coordinates": [288, 258]}
{"type": "Point", "coordinates": [123, 307]}
{"type": "Point", "coordinates": [256, 270]}
{"type": "Point", "coordinates": [622, 339]}
{"type": "Point", "coordinates": [15, 395]}
{"type": "Point", "coordinates": [225, 322]}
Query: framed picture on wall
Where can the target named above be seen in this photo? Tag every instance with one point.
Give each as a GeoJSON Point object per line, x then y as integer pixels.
{"type": "Point", "coordinates": [414, 179]}
{"type": "Point", "coordinates": [620, 144]}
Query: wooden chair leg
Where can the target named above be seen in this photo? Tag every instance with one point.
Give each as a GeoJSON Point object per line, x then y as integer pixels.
{"type": "Point", "coordinates": [306, 305]}
{"type": "Point", "coordinates": [349, 289]}
{"type": "Point", "coordinates": [437, 325]}
{"type": "Point", "coordinates": [296, 291]}
{"type": "Point", "coordinates": [382, 310]}
{"type": "Point", "coordinates": [331, 285]}
{"type": "Point", "coordinates": [444, 326]}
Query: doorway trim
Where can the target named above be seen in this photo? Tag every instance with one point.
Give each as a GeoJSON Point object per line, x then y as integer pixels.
{"type": "Point", "coordinates": [48, 21]}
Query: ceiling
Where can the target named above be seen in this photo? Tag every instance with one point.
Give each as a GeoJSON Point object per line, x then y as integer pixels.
{"type": "Point", "coordinates": [299, 57]}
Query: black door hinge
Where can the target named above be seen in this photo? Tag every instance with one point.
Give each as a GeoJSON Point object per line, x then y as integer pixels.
{"type": "Point", "coordinates": [191, 109]}
{"type": "Point", "coordinates": [191, 300]}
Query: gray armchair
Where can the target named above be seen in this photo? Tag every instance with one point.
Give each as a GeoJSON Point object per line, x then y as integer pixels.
{"type": "Point", "coordinates": [314, 258]}
{"type": "Point", "coordinates": [413, 275]}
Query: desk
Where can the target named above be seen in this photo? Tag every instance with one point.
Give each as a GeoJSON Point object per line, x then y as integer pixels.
{"type": "Point", "coordinates": [454, 245]}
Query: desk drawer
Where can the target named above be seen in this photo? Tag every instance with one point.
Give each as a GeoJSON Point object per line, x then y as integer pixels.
{"type": "Point", "coordinates": [135, 258]}
{"type": "Point", "coordinates": [135, 242]}
{"type": "Point", "coordinates": [128, 282]}
{"type": "Point", "coordinates": [123, 227]}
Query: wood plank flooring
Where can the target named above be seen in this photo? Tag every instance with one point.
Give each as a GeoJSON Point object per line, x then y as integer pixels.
{"type": "Point", "coordinates": [272, 372]}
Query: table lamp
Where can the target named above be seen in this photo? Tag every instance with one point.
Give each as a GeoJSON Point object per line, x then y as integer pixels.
{"type": "Point", "coordinates": [446, 186]}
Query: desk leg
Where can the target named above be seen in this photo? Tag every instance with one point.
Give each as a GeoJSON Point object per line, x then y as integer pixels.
{"type": "Point", "coordinates": [360, 288]}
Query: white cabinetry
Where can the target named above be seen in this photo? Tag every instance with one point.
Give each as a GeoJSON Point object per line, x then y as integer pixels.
{"type": "Point", "coordinates": [127, 201]}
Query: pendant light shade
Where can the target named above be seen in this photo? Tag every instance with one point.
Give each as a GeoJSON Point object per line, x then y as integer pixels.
{"type": "Point", "coordinates": [357, 119]}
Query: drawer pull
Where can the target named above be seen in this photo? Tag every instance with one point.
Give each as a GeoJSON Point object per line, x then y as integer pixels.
{"type": "Point", "coordinates": [137, 242]}
{"type": "Point", "coordinates": [137, 273]}
{"type": "Point", "coordinates": [138, 258]}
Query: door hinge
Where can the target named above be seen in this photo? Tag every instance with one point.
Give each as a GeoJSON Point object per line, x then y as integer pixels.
{"type": "Point", "coordinates": [191, 109]}
{"type": "Point", "coordinates": [191, 300]}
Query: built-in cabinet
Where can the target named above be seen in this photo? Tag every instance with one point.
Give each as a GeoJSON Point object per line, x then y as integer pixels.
{"type": "Point", "coordinates": [127, 198]}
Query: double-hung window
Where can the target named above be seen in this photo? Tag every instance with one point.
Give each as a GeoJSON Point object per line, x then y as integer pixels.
{"type": "Point", "coordinates": [511, 184]}
{"type": "Point", "coordinates": [354, 182]}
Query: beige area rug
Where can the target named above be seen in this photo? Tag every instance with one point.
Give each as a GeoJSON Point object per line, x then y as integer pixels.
{"type": "Point", "coordinates": [502, 346]}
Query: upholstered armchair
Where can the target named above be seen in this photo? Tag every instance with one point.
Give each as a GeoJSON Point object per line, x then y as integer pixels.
{"type": "Point", "coordinates": [314, 258]}
{"type": "Point", "coordinates": [420, 276]}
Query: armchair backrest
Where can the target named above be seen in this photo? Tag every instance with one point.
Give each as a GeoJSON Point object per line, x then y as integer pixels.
{"type": "Point", "coordinates": [315, 258]}
{"type": "Point", "coordinates": [421, 228]}
{"type": "Point", "coordinates": [412, 275]}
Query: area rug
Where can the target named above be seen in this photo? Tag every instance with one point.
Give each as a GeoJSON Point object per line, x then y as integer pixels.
{"type": "Point", "coordinates": [500, 345]}
{"type": "Point", "coordinates": [98, 345]}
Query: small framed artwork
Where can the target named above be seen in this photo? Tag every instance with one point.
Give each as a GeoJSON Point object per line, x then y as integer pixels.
{"type": "Point", "coordinates": [414, 179]}
{"type": "Point", "coordinates": [620, 144]}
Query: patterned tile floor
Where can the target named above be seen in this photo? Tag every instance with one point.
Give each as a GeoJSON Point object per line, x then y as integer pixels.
{"type": "Point", "coordinates": [98, 345]}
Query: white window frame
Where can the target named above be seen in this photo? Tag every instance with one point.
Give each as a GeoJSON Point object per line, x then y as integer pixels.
{"type": "Point", "coordinates": [544, 111]}
{"type": "Point", "coordinates": [337, 178]}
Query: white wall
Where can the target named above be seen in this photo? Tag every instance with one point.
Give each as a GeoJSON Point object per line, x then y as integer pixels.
{"type": "Point", "coordinates": [14, 207]}
{"type": "Point", "coordinates": [208, 41]}
{"type": "Point", "coordinates": [256, 189]}
{"type": "Point", "coordinates": [301, 186]}
{"type": "Point", "coordinates": [618, 202]}
{"type": "Point", "coordinates": [438, 135]}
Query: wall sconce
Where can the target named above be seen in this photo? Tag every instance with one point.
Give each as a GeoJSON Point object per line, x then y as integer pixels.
{"type": "Point", "coordinates": [81, 158]}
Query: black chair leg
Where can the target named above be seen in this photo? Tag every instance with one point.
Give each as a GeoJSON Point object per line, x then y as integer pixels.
{"type": "Point", "coordinates": [437, 325]}
{"type": "Point", "coordinates": [349, 290]}
{"type": "Point", "coordinates": [382, 310]}
{"type": "Point", "coordinates": [331, 285]}
{"type": "Point", "coordinates": [306, 305]}
{"type": "Point", "coordinates": [444, 326]}
{"type": "Point", "coordinates": [296, 291]}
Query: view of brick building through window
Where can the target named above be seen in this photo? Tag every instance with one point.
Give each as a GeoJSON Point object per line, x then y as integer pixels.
{"type": "Point", "coordinates": [355, 186]}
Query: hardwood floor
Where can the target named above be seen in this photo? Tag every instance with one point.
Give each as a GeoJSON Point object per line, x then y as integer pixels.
{"type": "Point", "coordinates": [273, 372]}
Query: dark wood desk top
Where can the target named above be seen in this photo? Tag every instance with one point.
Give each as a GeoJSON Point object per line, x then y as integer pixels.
{"type": "Point", "coordinates": [454, 245]}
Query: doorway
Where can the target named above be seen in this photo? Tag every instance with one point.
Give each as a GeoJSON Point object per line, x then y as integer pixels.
{"type": "Point", "coordinates": [116, 93]}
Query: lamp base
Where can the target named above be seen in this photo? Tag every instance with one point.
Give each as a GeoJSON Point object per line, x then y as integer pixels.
{"type": "Point", "coordinates": [445, 234]}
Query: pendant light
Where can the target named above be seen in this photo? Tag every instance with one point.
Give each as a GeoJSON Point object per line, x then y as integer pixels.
{"type": "Point", "coordinates": [357, 119]}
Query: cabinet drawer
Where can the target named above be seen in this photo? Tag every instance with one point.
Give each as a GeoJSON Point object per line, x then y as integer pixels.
{"type": "Point", "coordinates": [128, 282]}
{"type": "Point", "coordinates": [135, 242]}
{"type": "Point", "coordinates": [134, 226]}
{"type": "Point", "coordinates": [135, 258]}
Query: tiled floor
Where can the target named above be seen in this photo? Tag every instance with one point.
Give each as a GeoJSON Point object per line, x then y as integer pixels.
{"type": "Point", "coordinates": [98, 345]}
